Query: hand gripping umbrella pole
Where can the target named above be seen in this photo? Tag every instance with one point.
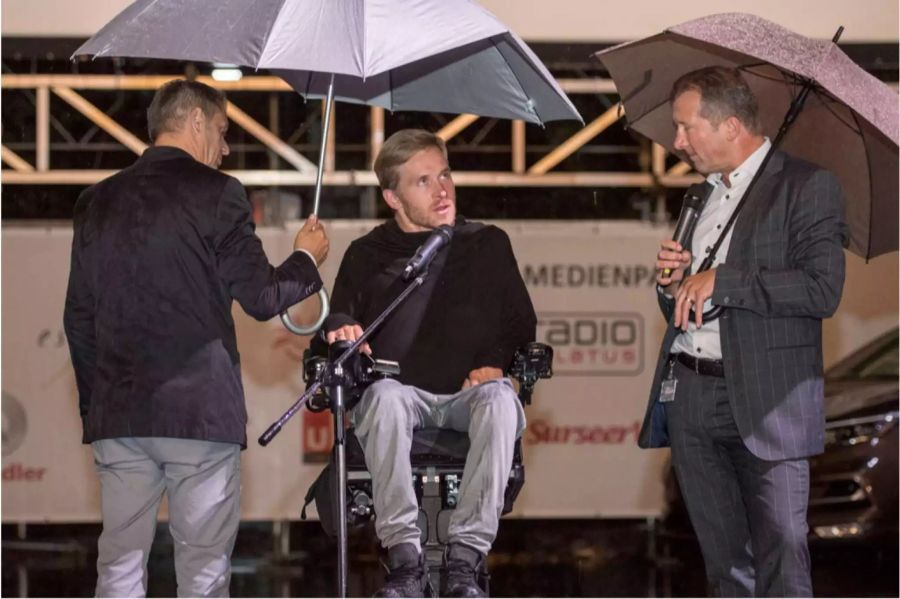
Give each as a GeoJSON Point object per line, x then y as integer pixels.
{"type": "Point", "coordinates": [323, 295]}
{"type": "Point", "coordinates": [789, 118]}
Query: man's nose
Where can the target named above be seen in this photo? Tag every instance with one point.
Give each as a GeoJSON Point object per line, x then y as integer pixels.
{"type": "Point", "coordinates": [679, 141]}
{"type": "Point", "coordinates": [225, 149]}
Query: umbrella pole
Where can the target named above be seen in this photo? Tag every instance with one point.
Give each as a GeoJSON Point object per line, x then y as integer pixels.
{"type": "Point", "coordinates": [329, 102]}
{"type": "Point", "coordinates": [323, 295]}
{"type": "Point", "coordinates": [794, 110]}
{"type": "Point", "coordinates": [789, 118]}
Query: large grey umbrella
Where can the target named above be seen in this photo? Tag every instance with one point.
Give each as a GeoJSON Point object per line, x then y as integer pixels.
{"type": "Point", "coordinates": [430, 55]}
{"type": "Point", "coordinates": [848, 125]}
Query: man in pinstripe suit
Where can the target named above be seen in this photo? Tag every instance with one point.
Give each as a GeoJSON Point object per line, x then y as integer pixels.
{"type": "Point", "coordinates": [739, 399]}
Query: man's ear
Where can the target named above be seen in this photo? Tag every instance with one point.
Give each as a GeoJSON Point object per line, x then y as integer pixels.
{"type": "Point", "coordinates": [391, 199]}
{"type": "Point", "coordinates": [733, 128]}
{"type": "Point", "coordinates": [197, 120]}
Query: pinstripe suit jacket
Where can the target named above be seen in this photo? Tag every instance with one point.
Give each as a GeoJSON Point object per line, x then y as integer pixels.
{"type": "Point", "coordinates": [784, 273]}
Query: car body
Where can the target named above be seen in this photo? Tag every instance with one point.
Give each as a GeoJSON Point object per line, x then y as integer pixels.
{"type": "Point", "coordinates": [854, 483]}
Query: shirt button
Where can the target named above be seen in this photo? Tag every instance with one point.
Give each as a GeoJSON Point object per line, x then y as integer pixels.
{"type": "Point", "coordinates": [727, 197]}
{"type": "Point", "coordinates": [699, 350]}
{"type": "Point", "coordinates": [718, 226]}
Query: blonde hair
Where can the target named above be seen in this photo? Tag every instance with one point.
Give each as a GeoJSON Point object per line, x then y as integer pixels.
{"type": "Point", "coordinates": [399, 148]}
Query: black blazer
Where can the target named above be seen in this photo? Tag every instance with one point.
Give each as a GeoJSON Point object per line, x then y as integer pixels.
{"type": "Point", "coordinates": [159, 252]}
{"type": "Point", "coordinates": [783, 274]}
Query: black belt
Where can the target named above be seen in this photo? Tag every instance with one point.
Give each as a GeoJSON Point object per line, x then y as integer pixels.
{"type": "Point", "coordinates": [701, 366]}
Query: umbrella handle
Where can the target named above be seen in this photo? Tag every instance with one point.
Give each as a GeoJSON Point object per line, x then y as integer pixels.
{"type": "Point", "coordinates": [708, 316]}
{"type": "Point", "coordinates": [716, 311]}
{"type": "Point", "coordinates": [308, 330]}
{"type": "Point", "coordinates": [323, 295]}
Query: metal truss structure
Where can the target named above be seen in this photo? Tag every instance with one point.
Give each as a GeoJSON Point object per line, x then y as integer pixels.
{"type": "Point", "coordinates": [653, 171]}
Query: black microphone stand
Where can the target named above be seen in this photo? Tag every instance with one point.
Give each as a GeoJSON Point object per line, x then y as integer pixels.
{"type": "Point", "coordinates": [338, 382]}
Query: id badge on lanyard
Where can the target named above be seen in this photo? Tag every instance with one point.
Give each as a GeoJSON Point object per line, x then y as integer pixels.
{"type": "Point", "coordinates": [668, 385]}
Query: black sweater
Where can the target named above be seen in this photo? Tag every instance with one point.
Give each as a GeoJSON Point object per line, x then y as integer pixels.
{"type": "Point", "coordinates": [477, 314]}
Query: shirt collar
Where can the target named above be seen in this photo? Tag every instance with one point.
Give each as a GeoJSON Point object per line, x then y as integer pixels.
{"type": "Point", "coordinates": [744, 173]}
{"type": "Point", "coordinates": [164, 153]}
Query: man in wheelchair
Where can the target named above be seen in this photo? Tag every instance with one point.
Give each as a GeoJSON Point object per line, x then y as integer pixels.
{"type": "Point", "coordinates": [454, 338]}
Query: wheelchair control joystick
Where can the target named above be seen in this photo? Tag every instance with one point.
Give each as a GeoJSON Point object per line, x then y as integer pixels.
{"type": "Point", "coordinates": [359, 371]}
{"type": "Point", "coordinates": [532, 362]}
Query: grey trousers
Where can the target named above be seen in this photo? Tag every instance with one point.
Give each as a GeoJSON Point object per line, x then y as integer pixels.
{"type": "Point", "coordinates": [749, 514]}
{"type": "Point", "coordinates": [385, 419]}
{"type": "Point", "coordinates": [202, 480]}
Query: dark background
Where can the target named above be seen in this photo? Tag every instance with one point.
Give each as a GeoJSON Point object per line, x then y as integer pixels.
{"type": "Point", "coordinates": [77, 144]}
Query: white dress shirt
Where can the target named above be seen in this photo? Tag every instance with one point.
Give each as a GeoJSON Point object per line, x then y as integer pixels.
{"type": "Point", "coordinates": [705, 342]}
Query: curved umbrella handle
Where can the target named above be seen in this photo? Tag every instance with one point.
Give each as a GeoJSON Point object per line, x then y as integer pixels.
{"type": "Point", "coordinates": [708, 316]}
{"type": "Point", "coordinates": [308, 330]}
{"type": "Point", "coordinates": [323, 295]}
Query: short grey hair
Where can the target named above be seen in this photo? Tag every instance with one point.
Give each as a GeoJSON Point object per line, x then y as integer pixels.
{"type": "Point", "coordinates": [723, 93]}
{"type": "Point", "coordinates": [174, 100]}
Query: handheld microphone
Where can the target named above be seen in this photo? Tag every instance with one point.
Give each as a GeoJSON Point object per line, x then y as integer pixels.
{"type": "Point", "coordinates": [694, 199]}
{"type": "Point", "coordinates": [427, 251]}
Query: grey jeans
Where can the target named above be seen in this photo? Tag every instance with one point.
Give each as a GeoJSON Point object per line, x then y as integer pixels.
{"type": "Point", "coordinates": [202, 480]}
{"type": "Point", "coordinates": [385, 419]}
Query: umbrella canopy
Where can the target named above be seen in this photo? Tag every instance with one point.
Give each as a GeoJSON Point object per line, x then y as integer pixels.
{"type": "Point", "coordinates": [431, 55]}
{"type": "Point", "coordinates": [849, 124]}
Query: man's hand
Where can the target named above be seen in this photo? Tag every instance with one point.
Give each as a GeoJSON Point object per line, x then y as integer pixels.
{"type": "Point", "coordinates": [312, 238]}
{"type": "Point", "coordinates": [674, 257]}
{"type": "Point", "coordinates": [348, 333]}
{"type": "Point", "coordinates": [482, 375]}
{"type": "Point", "coordinates": [692, 293]}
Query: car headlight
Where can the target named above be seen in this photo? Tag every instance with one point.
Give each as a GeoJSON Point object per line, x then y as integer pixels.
{"type": "Point", "coordinates": [850, 432]}
{"type": "Point", "coordinates": [841, 531]}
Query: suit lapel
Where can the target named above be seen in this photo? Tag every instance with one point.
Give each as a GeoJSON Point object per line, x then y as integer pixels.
{"type": "Point", "coordinates": [757, 203]}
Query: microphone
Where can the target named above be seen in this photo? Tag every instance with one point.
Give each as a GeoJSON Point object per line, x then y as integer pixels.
{"type": "Point", "coordinates": [694, 199]}
{"type": "Point", "coordinates": [427, 251]}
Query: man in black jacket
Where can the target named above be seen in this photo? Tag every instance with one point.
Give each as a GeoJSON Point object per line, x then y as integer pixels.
{"type": "Point", "coordinates": [454, 338]}
{"type": "Point", "coordinates": [159, 253]}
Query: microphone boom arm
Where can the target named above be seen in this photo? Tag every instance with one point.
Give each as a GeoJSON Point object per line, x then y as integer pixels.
{"type": "Point", "coordinates": [276, 426]}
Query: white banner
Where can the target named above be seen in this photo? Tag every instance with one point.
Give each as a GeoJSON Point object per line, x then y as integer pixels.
{"type": "Point", "coordinates": [591, 284]}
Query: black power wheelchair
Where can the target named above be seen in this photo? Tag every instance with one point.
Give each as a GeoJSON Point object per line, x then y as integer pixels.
{"type": "Point", "coordinates": [438, 457]}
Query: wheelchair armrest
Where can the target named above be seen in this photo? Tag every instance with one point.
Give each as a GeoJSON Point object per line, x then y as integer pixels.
{"type": "Point", "coordinates": [533, 361]}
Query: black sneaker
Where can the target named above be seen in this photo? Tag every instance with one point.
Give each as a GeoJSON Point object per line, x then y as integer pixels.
{"type": "Point", "coordinates": [461, 563]}
{"type": "Point", "coordinates": [407, 576]}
